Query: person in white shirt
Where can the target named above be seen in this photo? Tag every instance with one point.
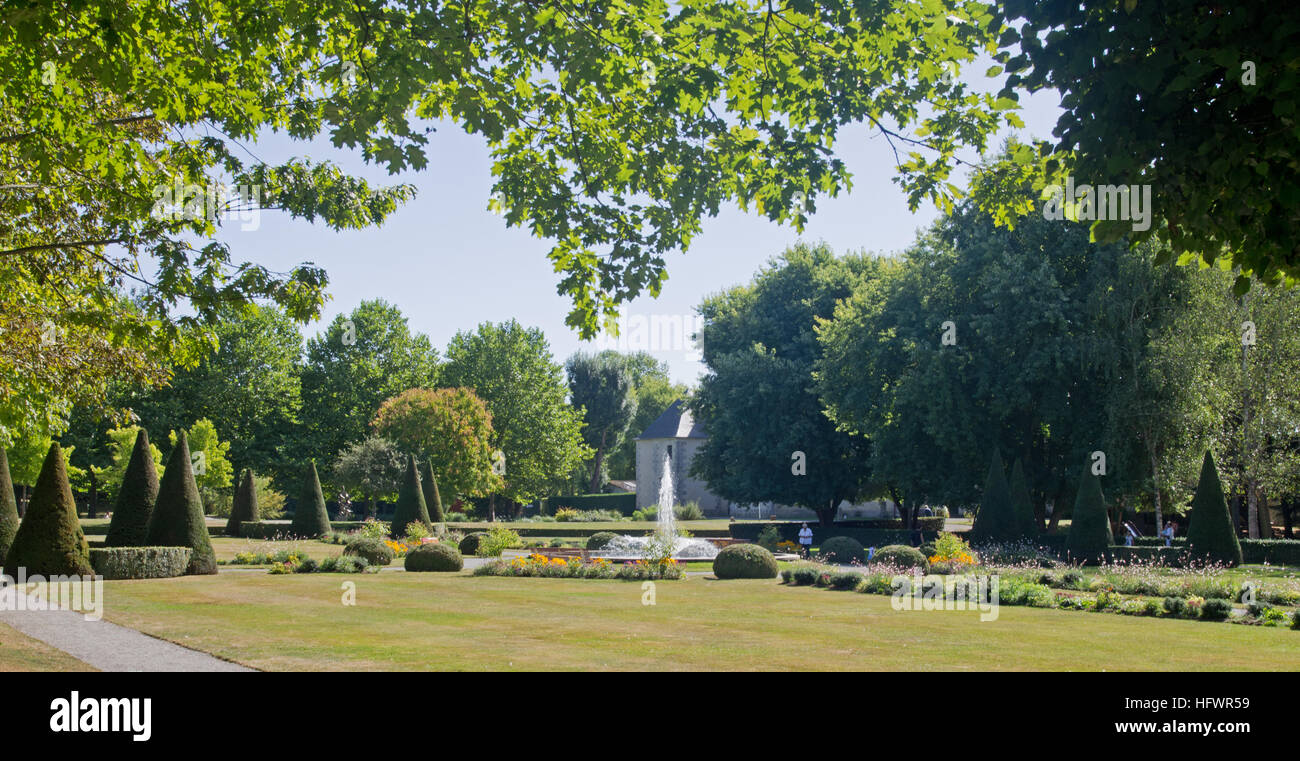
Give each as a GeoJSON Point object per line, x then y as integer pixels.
{"type": "Point", "coordinates": [1168, 533]}
{"type": "Point", "coordinates": [805, 539]}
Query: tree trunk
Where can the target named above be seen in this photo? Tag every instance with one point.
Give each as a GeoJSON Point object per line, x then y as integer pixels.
{"type": "Point", "coordinates": [93, 507]}
{"type": "Point", "coordinates": [1286, 508]}
{"type": "Point", "coordinates": [1264, 516]}
{"type": "Point", "coordinates": [1252, 509]}
{"type": "Point", "coordinates": [595, 471]}
{"type": "Point", "coordinates": [492, 509]}
{"type": "Point", "coordinates": [1058, 504]}
{"type": "Point", "coordinates": [1155, 481]}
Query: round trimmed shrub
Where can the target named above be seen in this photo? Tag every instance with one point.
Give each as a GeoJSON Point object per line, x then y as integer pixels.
{"type": "Point", "coordinates": [843, 549]}
{"type": "Point", "coordinates": [744, 561]}
{"type": "Point", "coordinates": [600, 540]}
{"type": "Point", "coordinates": [1216, 609]}
{"type": "Point", "coordinates": [902, 556]}
{"type": "Point", "coordinates": [373, 550]}
{"type": "Point", "coordinates": [434, 556]}
{"type": "Point", "coordinates": [469, 545]}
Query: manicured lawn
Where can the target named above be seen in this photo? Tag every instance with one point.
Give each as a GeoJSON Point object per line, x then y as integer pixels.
{"type": "Point", "coordinates": [227, 548]}
{"type": "Point", "coordinates": [18, 652]}
{"type": "Point", "coordinates": [437, 621]}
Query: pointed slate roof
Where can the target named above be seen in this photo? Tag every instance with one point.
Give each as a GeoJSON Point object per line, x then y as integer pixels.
{"type": "Point", "coordinates": [675, 423]}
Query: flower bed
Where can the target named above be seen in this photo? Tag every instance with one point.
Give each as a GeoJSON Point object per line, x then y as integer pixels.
{"type": "Point", "coordinates": [536, 565]}
{"type": "Point", "coordinates": [1195, 596]}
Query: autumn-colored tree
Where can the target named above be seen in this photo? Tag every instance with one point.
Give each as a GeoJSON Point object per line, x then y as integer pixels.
{"type": "Point", "coordinates": [451, 428]}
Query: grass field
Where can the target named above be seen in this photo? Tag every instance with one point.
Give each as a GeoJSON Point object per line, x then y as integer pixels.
{"type": "Point", "coordinates": [18, 652]}
{"type": "Point", "coordinates": [438, 621]}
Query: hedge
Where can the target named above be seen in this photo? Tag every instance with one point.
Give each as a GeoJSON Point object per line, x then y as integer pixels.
{"type": "Point", "coordinates": [140, 562]}
{"type": "Point", "coordinates": [1171, 556]}
{"type": "Point", "coordinates": [869, 537]}
{"type": "Point", "coordinates": [1274, 551]}
{"type": "Point", "coordinates": [1157, 541]}
{"type": "Point", "coordinates": [623, 502]}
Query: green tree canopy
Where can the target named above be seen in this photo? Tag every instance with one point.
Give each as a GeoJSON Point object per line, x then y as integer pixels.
{"type": "Point", "coordinates": [248, 387]}
{"type": "Point", "coordinates": [768, 439]}
{"type": "Point", "coordinates": [361, 359]}
{"type": "Point", "coordinates": [601, 386]}
{"type": "Point", "coordinates": [1196, 102]}
{"type": "Point", "coordinates": [614, 131]}
{"type": "Point", "coordinates": [213, 472]}
{"type": "Point", "coordinates": [370, 469]}
{"type": "Point", "coordinates": [510, 368]}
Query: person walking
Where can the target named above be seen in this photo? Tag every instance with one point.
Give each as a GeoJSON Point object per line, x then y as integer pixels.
{"type": "Point", "coordinates": [1130, 533]}
{"type": "Point", "coordinates": [805, 540]}
{"type": "Point", "coordinates": [1168, 533]}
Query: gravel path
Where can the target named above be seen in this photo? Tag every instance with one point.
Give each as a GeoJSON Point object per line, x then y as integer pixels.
{"type": "Point", "coordinates": [106, 646]}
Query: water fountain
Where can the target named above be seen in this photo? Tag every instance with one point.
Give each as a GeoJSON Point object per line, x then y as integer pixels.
{"type": "Point", "coordinates": [684, 548]}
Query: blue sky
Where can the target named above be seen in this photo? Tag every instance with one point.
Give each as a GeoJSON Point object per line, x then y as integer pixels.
{"type": "Point", "coordinates": [450, 264]}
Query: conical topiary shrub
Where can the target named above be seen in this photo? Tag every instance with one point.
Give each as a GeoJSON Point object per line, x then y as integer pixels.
{"type": "Point", "coordinates": [410, 501]}
{"type": "Point", "coordinates": [135, 498]}
{"type": "Point", "coordinates": [310, 518]}
{"type": "Point", "coordinates": [177, 519]}
{"type": "Point", "coordinates": [245, 507]}
{"type": "Point", "coordinates": [49, 541]}
{"type": "Point", "coordinates": [1210, 533]}
{"type": "Point", "coordinates": [995, 522]}
{"type": "Point", "coordinates": [1022, 507]}
{"type": "Point", "coordinates": [432, 499]}
{"type": "Point", "coordinates": [1090, 536]}
{"type": "Point", "coordinates": [8, 508]}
